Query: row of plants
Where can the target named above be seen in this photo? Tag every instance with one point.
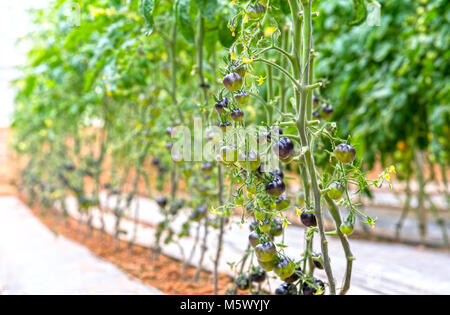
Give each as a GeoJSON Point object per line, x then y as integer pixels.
{"type": "Point", "coordinates": [389, 84]}
{"type": "Point", "coordinates": [103, 107]}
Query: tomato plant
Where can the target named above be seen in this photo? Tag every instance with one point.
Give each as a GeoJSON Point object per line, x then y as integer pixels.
{"type": "Point", "coordinates": [102, 109]}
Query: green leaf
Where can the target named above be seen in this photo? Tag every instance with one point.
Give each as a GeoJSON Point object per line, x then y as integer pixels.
{"type": "Point", "coordinates": [148, 7]}
{"type": "Point", "coordinates": [207, 8]}
{"type": "Point", "coordinates": [184, 21]}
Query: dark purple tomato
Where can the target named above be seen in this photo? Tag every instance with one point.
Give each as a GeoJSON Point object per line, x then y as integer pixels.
{"type": "Point", "coordinates": [233, 82]}
{"type": "Point", "coordinates": [308, 219]}
{"type": "Point", "coordinates": [237, 114]}
{"type": "Point", "coordinates": [286, 289]}
{"type": "Point", "coordinates": [278, 173]}
{"type": "Point", "coordinates": [161, 201]}
{"type": "Point", "coordinates": [284, 148]}
{"type": "Point", "coordinates": [295, 276]}
{"type": "Point", "coordinates": [316, 288]}
{"type": "Point", "coordinates": [258, 275]}
{"type": "Point", "coordinates": [242, 281]}
{"type": "Point", "coordinates": [221, 105]}
{"type": "Point", "coordinates": [276, 187]}
{"type": "Point", "coordinates": [318, 261]}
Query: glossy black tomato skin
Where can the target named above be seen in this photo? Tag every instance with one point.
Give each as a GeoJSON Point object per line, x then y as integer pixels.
{"type": "Point", "coordinates": [284, 148]}
{"type": "Point", "coordinates": [308, 219]}
{"type": "Point", "coordinates": [286, 289]}
{"type": "Point", "coordinates": [237, 114]}
{"type": "Point", "coordinates": [284, 268]}
{"type": "Point", "coordinates": [345, 153]}
{"type": "Point", "coordinates": [169, 131]}
{"type": "Point", "coordinates": [278, 173]}
{"type": "Point", "coordinates": [256, 12]}
{"type": "Point", "coordinates": [242, 281]}
{"type": "Point", "coordinates": [161, 201]}
{"type": "Point", "coordinates": [253, 239]}
{"type": "Point", "coordinates": [266, 252]}
{"type": "Point", "coordinates": [295, 276]}
{"type": "Point", "coordinates": [169, 146]}
{"type": "Point", "coordinates": [233, 82]}
{"type": "Point", "coordinates": [242, 98]}
{"type": "Point", "coordinates": [336, 190]}
{"type": "Point", "coordinates": [316, 288]}
{"type": "Point", "coordinates": [220, 106]}
{"type": "Point", "coordinates": [276, 187]}
{"type": "Point", "coordinates": [283, 202]}
{"type": "Point", "coordinates": [258, 275]}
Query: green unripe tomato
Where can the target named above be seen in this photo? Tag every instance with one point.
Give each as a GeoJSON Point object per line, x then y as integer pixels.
{"type": "Point", "coordinates": [229, 155]}
{"type": "Point", "coordinates": [276, 228]}
{"type": "Point", "coordinates": [242, 98]}
{"type": "Point", "coordinates": [266, 252]}
{"type": "Point", "coordinates": [251, 161]}
{"type": "Point", "coordinates": [284, 268]}
{"type": "Point", "coordinates": [283, 202]}
{"type": "Point", "coordinates": [336, 190]}
{"type": "Point", "coordinates": [347, 228]}
{"type": "Point", "coordinates": [345, 153]}
{"type": "Point", "coordinates": [239, 200]}
{"type": "Point", "coordinates": [265, 226]}
{"type": "Point", "coordinates": [259, 215]}
{"type": "Point", "coordinates": [256, 12]}
{"type": "Point", "coordinates": [267, 266]}
{"type": "Point", "coordinates": [251, 189]}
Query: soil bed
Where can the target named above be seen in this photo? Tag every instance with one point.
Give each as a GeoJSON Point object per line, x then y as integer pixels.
{"type": "Point", "coordinates": [162, 272]}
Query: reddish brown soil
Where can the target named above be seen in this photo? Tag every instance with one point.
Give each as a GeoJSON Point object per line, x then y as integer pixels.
{"type": "Point", "coordinates": [161, 272]}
